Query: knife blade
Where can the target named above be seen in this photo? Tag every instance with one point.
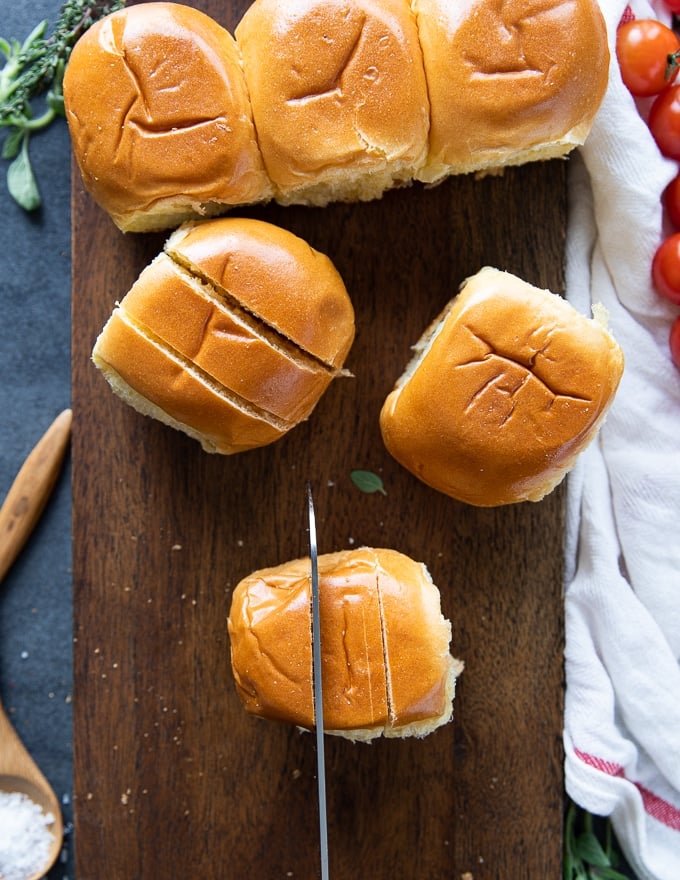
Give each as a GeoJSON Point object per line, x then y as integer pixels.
{"type": "Point", "coordinates": [318, 687]}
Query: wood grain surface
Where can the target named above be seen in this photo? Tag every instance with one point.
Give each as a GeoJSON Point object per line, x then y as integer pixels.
{"type": "Point", "coordinates": [172, 778]}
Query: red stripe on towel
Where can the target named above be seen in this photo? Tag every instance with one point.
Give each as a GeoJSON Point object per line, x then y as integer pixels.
{"type": "Point", "coordinates": [628, 15]}
{"type": "Point", "coordinates": [657, 807]}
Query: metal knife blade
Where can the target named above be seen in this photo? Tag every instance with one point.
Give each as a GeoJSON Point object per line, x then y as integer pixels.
{"type": "Point", "coordinates": [318, 688]}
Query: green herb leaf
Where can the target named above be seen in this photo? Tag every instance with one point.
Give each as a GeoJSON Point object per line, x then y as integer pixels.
{"type": "Point", "coordinates": [12, 145]}
{"type": "Point", "coordinates": [36, 34]}
{"type": "Point", "coordinates": [585, 857]}
{"type": "Point", "coordinates": [571, 867]}
{"type": "Point", "coordinates": [610, 874]}
{"type": "Point", "coordinates": [33, 70]}
{"type": "Point", "coordinates": [589, 849]}
{"type": "Point", "coordinates": [367, 481]}
{"type": "Point", "coordinates": [21, 180]}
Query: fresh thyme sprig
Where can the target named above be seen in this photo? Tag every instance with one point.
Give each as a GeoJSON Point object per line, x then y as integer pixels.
{"type": "Point", "coordinates": [33, 69]}
{"type": "Point", "coordinates": [585, 857]}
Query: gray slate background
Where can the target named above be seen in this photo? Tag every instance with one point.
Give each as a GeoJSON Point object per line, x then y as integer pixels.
{"type": "Point", "coordinates": [35, 598]}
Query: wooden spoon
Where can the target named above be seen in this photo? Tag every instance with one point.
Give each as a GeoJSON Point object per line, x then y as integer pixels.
{"type": "Point", "coordinates": [31, 488]}
{"type": "Point", "coordinates": [19, 773]}
{"type": "Point", "coordinates": [19, 514]}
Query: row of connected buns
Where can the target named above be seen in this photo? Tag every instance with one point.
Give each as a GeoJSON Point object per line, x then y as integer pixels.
{"type": "Point", "coordinates": [314, 101]}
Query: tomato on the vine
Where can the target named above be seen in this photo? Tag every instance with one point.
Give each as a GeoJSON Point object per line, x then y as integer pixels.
{"type": "Point", "coordinates": [674, 341]}
{"type": "Point", "coordinates": [643, 47]}
{"type": "Point", "coordinates": [666, 268]}
{"type": "Point", "coordinates": [664, 121]}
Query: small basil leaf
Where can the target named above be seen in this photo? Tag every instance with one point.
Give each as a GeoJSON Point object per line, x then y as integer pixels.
{"type": "Point", "coordinates": [367, 481]}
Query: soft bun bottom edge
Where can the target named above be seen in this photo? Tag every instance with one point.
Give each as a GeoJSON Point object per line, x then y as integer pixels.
{"type": "Point", "coordinates": [417, 729]}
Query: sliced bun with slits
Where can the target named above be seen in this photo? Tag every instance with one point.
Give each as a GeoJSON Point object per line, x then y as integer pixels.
{"type": "Point", "coordinates": [386, 666]}
{"type": "Point", "coordinates": [159, 117]}
{"type": "Point", "coordinates": [340, 105]}
{"type": "Point", "coordinates": [508, 83]}
{"type": "Point", "coordinates": [507, 387]}
{"type": "Point", "coordinates": [313, 101]}
{"type": "Point", "coordinates": [232, 334]}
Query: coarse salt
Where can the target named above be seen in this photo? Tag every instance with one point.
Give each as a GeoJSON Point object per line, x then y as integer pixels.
{"type": "Point", "coordinates": [25, 838]}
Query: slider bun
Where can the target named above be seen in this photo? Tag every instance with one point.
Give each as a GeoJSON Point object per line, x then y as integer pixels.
{"type": "Point", "coordinates": [509, 84]}
{"type": "Point", "coordinates": [507, 387]}
{"type": "Point", "coordinates": [208, 356]}
{"type": "Point", "coordinates": [159, 117]}
{"type": "Point", "coordinates": [340, 104]}
{"type": "Point", "coordinates": [386, 666]}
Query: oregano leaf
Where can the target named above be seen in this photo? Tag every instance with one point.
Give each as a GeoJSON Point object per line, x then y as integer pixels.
{"type": "Point", "coordinates": [12, 145]}
{"type": "Point", "coordinates": [21, 180]}
{"type": "Point", "coordinates": [367, 481]}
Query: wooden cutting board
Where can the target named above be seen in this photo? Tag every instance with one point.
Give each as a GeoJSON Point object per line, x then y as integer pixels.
{"type": "Point", "coordinates": [172, 778]}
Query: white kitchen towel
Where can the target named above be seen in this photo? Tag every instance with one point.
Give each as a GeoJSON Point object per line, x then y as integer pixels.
{"type": "Point", "coordinates": [622, 599]}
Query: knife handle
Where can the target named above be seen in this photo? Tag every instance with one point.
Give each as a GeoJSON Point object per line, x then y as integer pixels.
{"type": "Point", "coordinates": [31, 488]}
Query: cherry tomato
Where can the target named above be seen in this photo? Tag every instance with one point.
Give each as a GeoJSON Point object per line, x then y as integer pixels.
{"type": "Point", "coordinates": [666, 268]}
{"type": "Point", "coordinates": [671, 201]}
{"type": "Point", "coordinates": [672, 5]}
{"type": "Point", "coordinates": [642, 48]}
{"type": "Point", "coordinates": [664, 121]}
{"type": "Point", "coordinates": [674, 341]}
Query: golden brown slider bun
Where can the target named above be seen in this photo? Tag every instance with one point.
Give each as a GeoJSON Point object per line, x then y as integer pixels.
{"type": "Point", "coordinates": [507, 387]}
{"type": "Point", "coordinates": [509, 83]}
{"type": "Point", "coordinates": [386, 666]}
{"type": "Point", "coordinates": [206, 348]}
{"type": "Point", "coordinates": [338, 94]}
{"type": "Point", "coordinates": [159, 117]}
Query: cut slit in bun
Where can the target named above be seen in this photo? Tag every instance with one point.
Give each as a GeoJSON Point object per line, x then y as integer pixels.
{"type": "Point", "coordinates": [386, 666]}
